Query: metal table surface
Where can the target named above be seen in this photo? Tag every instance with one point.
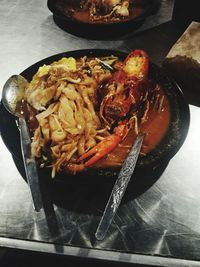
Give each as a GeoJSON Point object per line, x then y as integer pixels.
{"type": "Point", "coordinates": [161, 225]}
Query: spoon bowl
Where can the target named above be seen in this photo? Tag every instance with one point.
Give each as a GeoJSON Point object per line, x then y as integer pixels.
{"type": "Point", "coordinates": [13, 92]}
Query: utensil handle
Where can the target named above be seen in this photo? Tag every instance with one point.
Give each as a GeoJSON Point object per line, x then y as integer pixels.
{"type": "Point", "coordinates": [119, 189]}
{"type": "Point", "coordinates": [30, 165]}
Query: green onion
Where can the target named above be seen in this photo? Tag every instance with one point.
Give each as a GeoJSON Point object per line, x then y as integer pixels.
{"type": "Point", "coordinates": [105, 65]}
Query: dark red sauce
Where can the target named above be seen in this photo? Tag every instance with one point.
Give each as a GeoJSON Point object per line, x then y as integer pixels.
{"type": "Point", "coordinates": [154, 128]}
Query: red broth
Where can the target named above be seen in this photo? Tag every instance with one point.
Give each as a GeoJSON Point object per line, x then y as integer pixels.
{"type": "Point", "coordinates": [154, 129]}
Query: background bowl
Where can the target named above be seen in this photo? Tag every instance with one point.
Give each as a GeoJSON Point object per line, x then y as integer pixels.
{"type": "Point", "coordinates": [101, 30]}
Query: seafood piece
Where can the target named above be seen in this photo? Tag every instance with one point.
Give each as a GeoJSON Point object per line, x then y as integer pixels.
{"type": "Point", "coordinates": [126, 90]}
{"type": "Point", "coordinates": [106, 145]}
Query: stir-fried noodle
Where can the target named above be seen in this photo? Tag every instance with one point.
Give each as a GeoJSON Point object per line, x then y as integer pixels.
{"type": "Point", "coordinates": [64, 95]}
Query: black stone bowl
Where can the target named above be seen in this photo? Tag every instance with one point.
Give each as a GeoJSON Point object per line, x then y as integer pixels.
{"type": "Point", "coordinates": [164, 151]}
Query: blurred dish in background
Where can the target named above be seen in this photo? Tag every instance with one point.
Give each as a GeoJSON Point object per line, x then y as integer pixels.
{"type": "Point", "coordinates": [101, 11]}
{"type": "Point", "coordinates": [101, 19]}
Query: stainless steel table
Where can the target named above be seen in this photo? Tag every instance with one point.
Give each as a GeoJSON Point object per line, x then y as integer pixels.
{"type": "Point", "coordinates": [160, 226]}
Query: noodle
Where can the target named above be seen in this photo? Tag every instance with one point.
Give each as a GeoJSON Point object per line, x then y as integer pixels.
{"type": "Point", "coordinates": [63, 95]}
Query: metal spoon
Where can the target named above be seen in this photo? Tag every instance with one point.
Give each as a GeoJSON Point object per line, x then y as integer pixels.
{"type": "Point", "coordinates": [13, 92]}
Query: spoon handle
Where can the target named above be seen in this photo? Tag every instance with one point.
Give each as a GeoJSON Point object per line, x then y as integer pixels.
{"type": "Point", "coordinates": [30, 165]}
{"type": "Point", "coordinates": [119, 189]}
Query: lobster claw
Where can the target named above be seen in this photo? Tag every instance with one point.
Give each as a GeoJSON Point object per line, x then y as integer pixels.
{"type": "Point", "coordinates": [105, 146]}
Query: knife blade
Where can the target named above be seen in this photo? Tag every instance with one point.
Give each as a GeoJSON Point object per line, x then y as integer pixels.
{"type": "Point", "coordinates": [119, 188]}
{"type": "Point", "coordinates": [30, 165]}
